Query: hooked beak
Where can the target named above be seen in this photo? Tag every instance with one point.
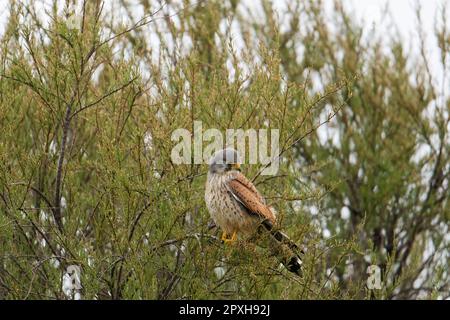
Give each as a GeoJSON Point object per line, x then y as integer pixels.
{"type": "Point", "coordinates": [236, 166]}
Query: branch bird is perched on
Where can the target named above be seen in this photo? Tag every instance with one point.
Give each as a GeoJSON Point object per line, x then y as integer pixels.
{"type": "Point", "coordinates": [238, 208]}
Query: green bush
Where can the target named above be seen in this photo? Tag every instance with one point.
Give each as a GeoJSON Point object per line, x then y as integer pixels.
{"type": "Point", "coordinates": [88, 104]}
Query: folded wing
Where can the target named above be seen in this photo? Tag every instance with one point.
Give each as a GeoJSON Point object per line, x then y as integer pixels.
{"type": "Point", "coordinates": [246, 194]}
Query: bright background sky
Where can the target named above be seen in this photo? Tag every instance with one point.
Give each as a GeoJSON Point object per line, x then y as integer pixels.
{"type": "Point", "coordinates": [370, 10]}
{"type": "Point", "coordinates": [401, 14]}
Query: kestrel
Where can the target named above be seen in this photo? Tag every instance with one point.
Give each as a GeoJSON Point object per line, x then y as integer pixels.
{"type": "Point", "coordinates": [237, 207]}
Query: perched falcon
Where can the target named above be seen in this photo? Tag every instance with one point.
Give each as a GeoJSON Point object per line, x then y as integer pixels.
{"type": "Point", "coordinates": [238, 208]}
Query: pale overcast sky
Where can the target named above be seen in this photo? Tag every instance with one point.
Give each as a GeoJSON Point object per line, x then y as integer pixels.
{"type": "Point", "coordinates": [370, 10]}
{"type": "Point", "coordinates": [402, 12]}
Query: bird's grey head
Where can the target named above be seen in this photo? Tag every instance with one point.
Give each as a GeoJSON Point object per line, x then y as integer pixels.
{"type": "Point", "coordinates": [224, 160]}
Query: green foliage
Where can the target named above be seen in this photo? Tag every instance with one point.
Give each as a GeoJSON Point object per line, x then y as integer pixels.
{"type": "Point", "coordinates": [87, 109]}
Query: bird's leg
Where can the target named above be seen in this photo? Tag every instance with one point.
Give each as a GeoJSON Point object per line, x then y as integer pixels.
{"type": "Point", "coordinates": [225, 238]}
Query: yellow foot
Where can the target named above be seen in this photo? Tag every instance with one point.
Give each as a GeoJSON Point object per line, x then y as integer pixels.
{"type": "Point", "coordinates": [226, 240]}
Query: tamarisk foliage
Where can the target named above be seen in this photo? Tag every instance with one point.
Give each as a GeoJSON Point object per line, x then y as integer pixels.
{"type": "Point", "coordinates": [91, 91]}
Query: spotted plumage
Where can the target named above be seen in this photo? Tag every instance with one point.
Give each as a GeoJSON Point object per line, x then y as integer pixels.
{"type": "Point", "coordinates": [238, 208]}
{"type": "Point", "coordinates": [226, 210]}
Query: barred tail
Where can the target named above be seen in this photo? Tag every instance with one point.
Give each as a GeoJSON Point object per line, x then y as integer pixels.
{"type": "Point", "coordinates": [287, 252]}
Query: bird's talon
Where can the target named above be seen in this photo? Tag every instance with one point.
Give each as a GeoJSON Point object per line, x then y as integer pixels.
{"type": "Point", "coordinates": [226, 240]}
{"type": "Point", "coordinates": [224, 236]}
